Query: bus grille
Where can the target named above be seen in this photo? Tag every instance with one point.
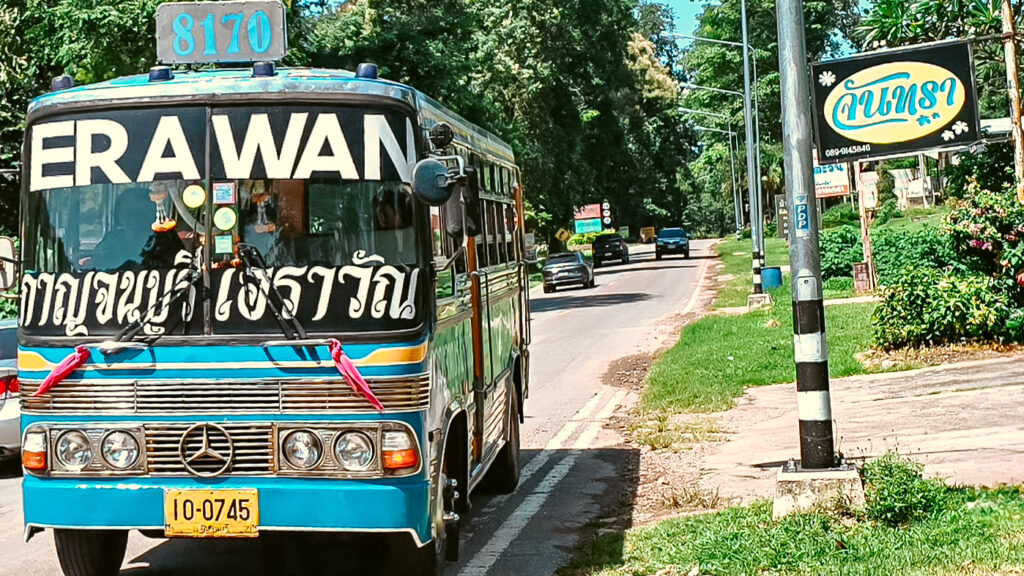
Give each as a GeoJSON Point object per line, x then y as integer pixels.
{"type": "Point", "coordinates": [287, 396]}
{"type": "Point", "coordinates": [253, 445]}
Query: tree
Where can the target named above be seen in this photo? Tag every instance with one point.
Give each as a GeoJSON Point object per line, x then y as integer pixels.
{"type": "Point", "coordinates": [893, 23]}
{"type": "Point", "coordinates": [719, 66]}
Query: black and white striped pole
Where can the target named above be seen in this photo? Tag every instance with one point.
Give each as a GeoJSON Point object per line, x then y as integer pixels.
{"type": "Point", "coordinates": [817, 447]}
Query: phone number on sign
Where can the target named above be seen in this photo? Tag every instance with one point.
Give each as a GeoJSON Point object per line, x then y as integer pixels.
{"type": "Point", "coordinates": [847, 150]}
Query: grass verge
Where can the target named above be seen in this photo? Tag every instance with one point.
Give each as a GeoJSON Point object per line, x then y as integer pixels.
{"type": "Point", "coordinates": [717, 357]}
{"type": "Point", "coordinates": [973, 532]}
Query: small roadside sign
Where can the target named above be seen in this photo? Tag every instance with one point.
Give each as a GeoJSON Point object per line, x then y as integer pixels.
{"type": "Point", "coordinates": [563, 235]}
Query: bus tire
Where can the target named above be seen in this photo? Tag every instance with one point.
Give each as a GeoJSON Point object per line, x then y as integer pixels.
{"type": "Point", "coordinates": [90, 552]}
{"type": "Point", "coordinates": [503, 477]}
{"type": "Point", "coordinates": [429, 559]}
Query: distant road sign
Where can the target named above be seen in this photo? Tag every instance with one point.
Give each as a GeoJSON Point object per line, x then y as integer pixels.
{"type": "Point", "coordinates": [588, 226]}
{"type": "Point", "coordinates": [563, 235]}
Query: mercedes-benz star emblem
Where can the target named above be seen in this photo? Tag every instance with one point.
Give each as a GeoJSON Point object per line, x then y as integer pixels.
{"type": "Point", "coordinates": [206, 454]}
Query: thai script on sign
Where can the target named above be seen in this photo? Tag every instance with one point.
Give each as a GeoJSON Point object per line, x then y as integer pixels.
{"type": "Point", "coordinates": [84, 304]}
{"type": "Point", "coordinates": [893, 102]}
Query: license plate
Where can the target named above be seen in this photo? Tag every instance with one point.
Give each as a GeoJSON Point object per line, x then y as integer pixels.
{"type": "Point", "coordinates": [608, 253]}
{"type": "Point", "coordinates": [211, 513]}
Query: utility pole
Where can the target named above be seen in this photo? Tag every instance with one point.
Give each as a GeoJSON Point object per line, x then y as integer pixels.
{"type": "Point", "coordinates": [817, 447]}
{"type": "Point", "coordinates": [752, 176]}
{"type": "Point", "coordinates": [1010, 51]}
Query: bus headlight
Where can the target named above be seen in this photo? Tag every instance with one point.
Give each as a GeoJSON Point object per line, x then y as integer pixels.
{"type": "Point", "coordinates": [354, 451]}
{"type": "Point", "coordinates": [302, 449]}
{"type": "Point", "coordinates": [120, 450]}
{"type": "Point", "coordinates": [74, 451]}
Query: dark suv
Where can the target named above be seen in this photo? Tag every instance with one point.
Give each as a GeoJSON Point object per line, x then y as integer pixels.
{"type": "Point", "coordinates": [610, 247]}
{"type": "Point", "coordinates": [672, 241]}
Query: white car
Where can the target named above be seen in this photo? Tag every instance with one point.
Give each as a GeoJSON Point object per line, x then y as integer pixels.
{"type": "Point", "coordinates": [10, 411]}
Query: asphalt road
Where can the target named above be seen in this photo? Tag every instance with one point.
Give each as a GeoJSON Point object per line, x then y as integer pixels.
{"type": "Point", "coordinates": [574, 468]}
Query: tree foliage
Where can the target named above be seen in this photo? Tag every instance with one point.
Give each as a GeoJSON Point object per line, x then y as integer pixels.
{"type": "Point", "coordinates": [720, 66]}
{"type": "Point", "coordinates": [893, 23]}
{"type": "Point", "coordinates": [583, 90]}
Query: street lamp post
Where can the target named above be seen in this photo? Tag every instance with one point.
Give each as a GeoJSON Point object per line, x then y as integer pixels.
{"type": "Point", "coordinates": [737, 204]}
{"type": "Point", "coordinates": [753, 176]}
{"type": "Point", "coordinates": [752, 134]}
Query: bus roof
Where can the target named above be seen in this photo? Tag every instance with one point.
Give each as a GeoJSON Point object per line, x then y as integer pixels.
{"type": "Point", "coordinates": [239, 82]}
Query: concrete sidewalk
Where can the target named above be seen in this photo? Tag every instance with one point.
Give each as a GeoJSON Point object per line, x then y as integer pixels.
{"type": "Point", "coordinates": [964, 422]}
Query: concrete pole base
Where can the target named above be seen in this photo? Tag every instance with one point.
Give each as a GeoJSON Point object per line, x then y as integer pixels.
{"type": "Point", "coordinates": [756, 301]}
{"type": "Point", "coordinates": [798, 490]}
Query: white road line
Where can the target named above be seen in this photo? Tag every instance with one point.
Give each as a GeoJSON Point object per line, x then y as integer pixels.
{"type": "Point", "coordinates": [517, 521]}
{"type": "Point", "coordinates": [588, 435]}
{"type": "Point", "coordinates": [532, 503]}
{"type": "Point", "coordinates": [553, 445]}
{"type": "Point", "coordinates": [696, 291]}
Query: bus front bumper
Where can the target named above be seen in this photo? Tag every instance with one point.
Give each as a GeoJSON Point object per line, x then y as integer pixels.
{"type": "Point", "coordinates": [285, 504]}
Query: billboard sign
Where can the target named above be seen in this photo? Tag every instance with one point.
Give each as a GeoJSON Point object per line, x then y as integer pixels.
{"type": "Point", "coordinates": [589, 225]}
{"type": "Point", "coordinates": [895, 102]}
{"type": "Point", "coordinates": [831, 180]}
{"type": "Point", "coordinates": [588, 212]}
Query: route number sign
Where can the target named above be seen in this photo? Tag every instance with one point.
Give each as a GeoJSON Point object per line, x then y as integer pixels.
{"type": "Point", "coordinates": [205, 32]}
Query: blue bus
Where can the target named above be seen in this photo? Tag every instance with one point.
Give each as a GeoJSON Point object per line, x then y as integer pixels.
{"type": "Point", "coordinates": [259, 300]}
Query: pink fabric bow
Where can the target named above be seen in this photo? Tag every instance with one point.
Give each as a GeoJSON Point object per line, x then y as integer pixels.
{"type": "Point", "coordinates": [67, 366]}
{"type": "Point", "coordinates": [347, 369]}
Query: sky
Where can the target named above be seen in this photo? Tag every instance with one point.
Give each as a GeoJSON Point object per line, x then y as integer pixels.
{"type": "Point", "coordinates": [686, 12]}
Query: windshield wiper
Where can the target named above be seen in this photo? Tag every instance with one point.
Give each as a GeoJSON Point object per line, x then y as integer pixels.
{"type": "Point", "coordinates": [252, 259]}
{"type": "Point", "coordinates": [174, 295]}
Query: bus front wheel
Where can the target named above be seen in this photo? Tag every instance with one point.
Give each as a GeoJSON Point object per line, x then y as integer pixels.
{"type": "Point", "coordinates": [90, 552]}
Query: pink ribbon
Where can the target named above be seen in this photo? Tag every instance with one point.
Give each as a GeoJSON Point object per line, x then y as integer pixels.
{"type": "Point", "coordinates": [347, 369]}
{"type": "Point", "coordinates": [67, 366]}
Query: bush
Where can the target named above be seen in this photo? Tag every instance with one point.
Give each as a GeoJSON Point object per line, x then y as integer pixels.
{"type": "Point", "coordinates": [886, 212]}
{"type": "Point", "coordinates": [840, 248]}
{"type": "Point", "coordinates": [926, 306]}
{"type": "Point", "coordinates": [897, 250]}
{"type": "Point", "coordinates": [771, 230]}
{"type": "Point", "coordinates": [838, 285]}
{"type": "Point", "coordinates": [588, 238]}
{"type": "Point", "coordinates": [896, 493]}
{"type": "Point", "coordinates": [840, 215]}
{"type": "Point", "coordinates": [991, 169]}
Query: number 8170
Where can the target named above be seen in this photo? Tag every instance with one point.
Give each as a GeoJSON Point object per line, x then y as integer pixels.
{"type": "Point", "coordinates": [259, 33]}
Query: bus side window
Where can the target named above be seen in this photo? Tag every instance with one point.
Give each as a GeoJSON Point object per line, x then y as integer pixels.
{"type": "Point", "coordinates": [441, 251]}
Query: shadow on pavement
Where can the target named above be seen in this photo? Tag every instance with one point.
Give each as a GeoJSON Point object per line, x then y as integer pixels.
{"type": "Point", "coordinates": [681, 265]}
{"type": "Point", "coordinates": [585, 301]}
{"type": "Point", "coordinates": [10, 467]}
{"type": "Point", "coordinates": [611, 472]}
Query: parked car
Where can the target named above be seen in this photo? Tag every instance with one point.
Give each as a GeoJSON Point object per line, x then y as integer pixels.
{"type": "Point", "coordinates": [610, 247]}
{"type": "Point", "coordinates": [566, 269]}
{"type": "Point", "coordinates": [10, 410]}
{"type": "Point", "coordinates": [672, 241]}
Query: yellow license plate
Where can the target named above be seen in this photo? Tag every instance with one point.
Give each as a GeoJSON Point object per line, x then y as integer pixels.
{"type": "Point", "coordinates": [211, 513]}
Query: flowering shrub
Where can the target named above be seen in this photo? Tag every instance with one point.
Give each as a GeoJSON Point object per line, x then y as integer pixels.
{"type": "Point", "coordinates": [987, 233]}
{"type": "Point", "coordinates": [925, 306]}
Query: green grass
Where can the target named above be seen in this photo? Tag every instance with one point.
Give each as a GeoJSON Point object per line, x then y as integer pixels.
{"type": "Point", "coordinates": [735, 255]}
{"type": "Point", "coordinates": [914, 219]}
{"type": "Point", "coordinates": [717, 357]}
{"type": "Point", "coordinates": [974, 532]}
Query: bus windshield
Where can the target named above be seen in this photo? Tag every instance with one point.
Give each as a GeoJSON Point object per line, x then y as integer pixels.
{"type": "Point", "coordinates": [122, 204]}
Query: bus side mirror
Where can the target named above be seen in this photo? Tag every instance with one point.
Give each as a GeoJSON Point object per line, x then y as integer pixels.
{"type": "Point", "coordinates": [8, 264]}
{"type": "Point", "coordinates": [431, 182]}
